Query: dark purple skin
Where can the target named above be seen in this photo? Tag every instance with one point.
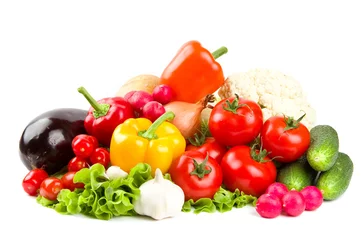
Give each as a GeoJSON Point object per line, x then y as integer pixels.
{"type": "Point", "coordinates": [46, 141]}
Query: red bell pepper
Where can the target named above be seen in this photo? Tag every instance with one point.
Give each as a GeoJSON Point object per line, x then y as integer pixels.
{"type": "Point", "coordinates": [105, 115]}
{"type": "Point", "coordinates": [193, 73]}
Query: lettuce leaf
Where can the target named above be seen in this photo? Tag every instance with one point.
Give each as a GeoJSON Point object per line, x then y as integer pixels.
{"type": "Point", "coordinates": [101, 198]}
{"type": "Point", "coordinates": [223, 201]}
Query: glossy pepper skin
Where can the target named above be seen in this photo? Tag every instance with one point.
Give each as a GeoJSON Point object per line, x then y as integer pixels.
{"type": "Point", "coordinates": [105, 115]}
{"type": "Point", "coordinates": [139, 140]}
{"type": "Point", "coordinates": [193, 72]}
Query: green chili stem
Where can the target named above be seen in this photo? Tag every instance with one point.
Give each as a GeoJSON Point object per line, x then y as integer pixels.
{"type": "Point", "coordinates": [99, 109]}
{"type": "Point", "coordinates": [150, 133]}
{"type": "Point", "coordinates": [219, 52]}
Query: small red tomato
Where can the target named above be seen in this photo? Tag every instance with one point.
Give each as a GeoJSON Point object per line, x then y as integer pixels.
{"type": "Point", "coordinates": [77, 163]}
{"type": "Point", "coordinates": [284, 138]}
{"type": "Point", "coordinates": [68, 181]}
{"type": "Point", "coordinates": [33, 180]}
{"type": "Point", "coordinates": [83, 145]}
{"type": "Point", "coordinates": [50, 188]}
{"type": "Point", "coordinates": [208, 145]}
{"type": "Point", "coordinates": [199, 175]}
{"type": "Point", "coordinates": [100, 155]}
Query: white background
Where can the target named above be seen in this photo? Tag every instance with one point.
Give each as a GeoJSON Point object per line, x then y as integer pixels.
{"type": "Point", "coordinates": [50, 48]}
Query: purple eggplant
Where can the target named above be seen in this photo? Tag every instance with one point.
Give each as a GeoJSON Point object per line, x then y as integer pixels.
{"type": "Point", "coordinates": [46, 141]}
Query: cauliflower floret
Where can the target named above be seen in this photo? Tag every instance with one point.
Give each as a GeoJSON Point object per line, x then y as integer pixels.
{"type": "Point", "coordinates": [276, 92]}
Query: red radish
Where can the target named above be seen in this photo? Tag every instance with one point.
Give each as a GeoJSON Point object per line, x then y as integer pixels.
{"type": "Point", "coordinates": [162, 94]}
{"type": "Point", "coordinates": [138, 99]}
{"type": "Point", "coordinates": [153, 110]}
{"type": "Point", "coordinates": [293, 203]}
{"type": "Point", "coordinates": [278, 189]}
{"type": "Point", "coordinates": [128, 95]}
{"type": "Point", "coordinates": [313, 197]}
{"type": "Point", "coordinates": [268, 206]}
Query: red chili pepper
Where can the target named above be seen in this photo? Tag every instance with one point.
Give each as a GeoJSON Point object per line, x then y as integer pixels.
{"type": "Point", "coordinates": [105, 115]}
{"type": "Point", "coordinates": [193, 73]}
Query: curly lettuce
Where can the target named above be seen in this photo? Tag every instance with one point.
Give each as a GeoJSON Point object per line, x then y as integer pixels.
{"type": "Point", "coordinates": [223, 201]}
{"type": "Point", "coordinates": [101, 198]}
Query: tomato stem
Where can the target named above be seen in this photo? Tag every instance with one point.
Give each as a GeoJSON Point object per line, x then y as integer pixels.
{"type": "Point", "coordinates": [291, 123]}
{"type": "Point", "coordinates": [259, 155]}
{"type": "Point", "coordinates": [200, 169]}
{"type": "Point", "coordinates": [234, 105]}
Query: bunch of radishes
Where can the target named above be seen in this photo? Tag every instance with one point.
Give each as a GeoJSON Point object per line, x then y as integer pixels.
{"type": "Point", "coordinates": [278, 199]}
{"type": "Point", "coordinates": [150, 105]}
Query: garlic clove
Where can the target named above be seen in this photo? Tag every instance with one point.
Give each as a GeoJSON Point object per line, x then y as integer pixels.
{"type": "Point", "coordinates": [114, 172]}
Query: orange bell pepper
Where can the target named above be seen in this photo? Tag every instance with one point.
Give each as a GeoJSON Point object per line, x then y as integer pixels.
{"type": "Point", "coordinates": [193, 73]}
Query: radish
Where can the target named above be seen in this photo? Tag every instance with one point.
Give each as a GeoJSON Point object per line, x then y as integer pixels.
{"type": "Point", "coordinates": [153, 110]}
{"type": "Point", "coordinates": [138, 99]}
{"type": "Point", "coordinates": [313, 197]}
{"type": "Point", "coordinates": [278, 189]}
{"type": "Point", "coordinates": [128, 95]}
{"type": "Point", "coordinates": [293, 203]}
{"type": "Point", "coordinates": [268, 206]}
{"type": "Point", "coordinates": [162, 94]}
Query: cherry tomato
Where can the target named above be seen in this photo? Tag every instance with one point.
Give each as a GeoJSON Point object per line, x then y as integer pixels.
{"type": "Point", "coordinates": [248, 170]}
{"type": "Point", "coordinates": [83, 145]}
{"type": "Point", "coordinates": [32, 181]}
{"type": "Point", "coordinates": [235, 121]}
{"type": "Point", "coordinates": [199, 175]}
{"type": "Point", "coordinates": [209, 145]}
{"type": "Point", "coordinates": [50, 188]}
{"type": "Point", "coordinates": [285, 138]}
{"type": "Point", "coordinates": [77, 163]}
{"type": "Point", "coordinates": [100, 155]}
{"type": "Point", "coordinates": [68, 181]}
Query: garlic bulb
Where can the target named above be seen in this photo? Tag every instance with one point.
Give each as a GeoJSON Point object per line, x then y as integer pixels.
{"type": "Point", "coordinates": [159, 198]}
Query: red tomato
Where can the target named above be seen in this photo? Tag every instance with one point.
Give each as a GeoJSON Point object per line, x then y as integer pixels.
{"type": "Point", "coordinates": [68, 181]}
{"type": "Point", "coordinates": [32, 181]}
{"type": "Point", "coordinates": [210, 146]}
{"type": "Point", "coordinates": [235, 121]}
{"type": "Point", "coordinates": [83, 145]}
{"type": "Point", "coordinates": [100, 155]}
{"type": "Point", "coordinates": [286, 139]}
{"type": "Point", "coordinates": [197, 175]}
{"type": "Point", "coordinates": [50, 188]}
{"type": "Point", "coordinates": [77, 163]}
{"type": "Point", "coordinates": [241, 171]}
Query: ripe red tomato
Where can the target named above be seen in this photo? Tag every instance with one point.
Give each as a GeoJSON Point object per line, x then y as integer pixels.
{"type": "Point", "coordinates": [242, 171]}
{"type": "Point", "coordinates": [209, 145]}
{"type": "Point", "coordinates": [235, 121]}
{"type": "Point", "coordinates": [77, 163]}
{"type": "Point", "coordinates": [100, 155]}
{"type": "Point", "coordinates": [199, 176]}
{"type": "Point", "coordinates": [68, 181]}
{"type": "Point", "coordinates": [50, 188]}
{"type": "Point", "coordinates": [286, 139]}
{"type": "Point", "coordinates": [32, 181]}
{"type": "Point", "coordinates": [83, 145]}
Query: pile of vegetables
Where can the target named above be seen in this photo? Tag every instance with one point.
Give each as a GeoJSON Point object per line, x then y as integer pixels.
{"type": "Point", "coordinates": [151, 150]}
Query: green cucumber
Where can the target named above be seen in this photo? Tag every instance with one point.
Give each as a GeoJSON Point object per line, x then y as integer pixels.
{"type": "Point", "coordinates": [334, 182]}
{"type": "Point", "coordinates": [297, 175]}
{"type": "Point", "coordinates": [324, 146]}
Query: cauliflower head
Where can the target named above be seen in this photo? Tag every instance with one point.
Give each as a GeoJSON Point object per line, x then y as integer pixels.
{"type": "Point", "coordinates": [276, 92]}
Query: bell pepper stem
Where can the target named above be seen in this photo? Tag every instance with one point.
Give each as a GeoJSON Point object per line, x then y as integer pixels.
{"type": "Point", "coordinates": [99, 109]}
{"type": "Point", "coordinates": [150, 133]}
{"type": "Point", "coordinates": [219, 52]}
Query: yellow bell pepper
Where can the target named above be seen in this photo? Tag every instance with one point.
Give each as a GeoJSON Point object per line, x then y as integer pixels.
{"type": "Point", "coordinates": [139, 140]}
